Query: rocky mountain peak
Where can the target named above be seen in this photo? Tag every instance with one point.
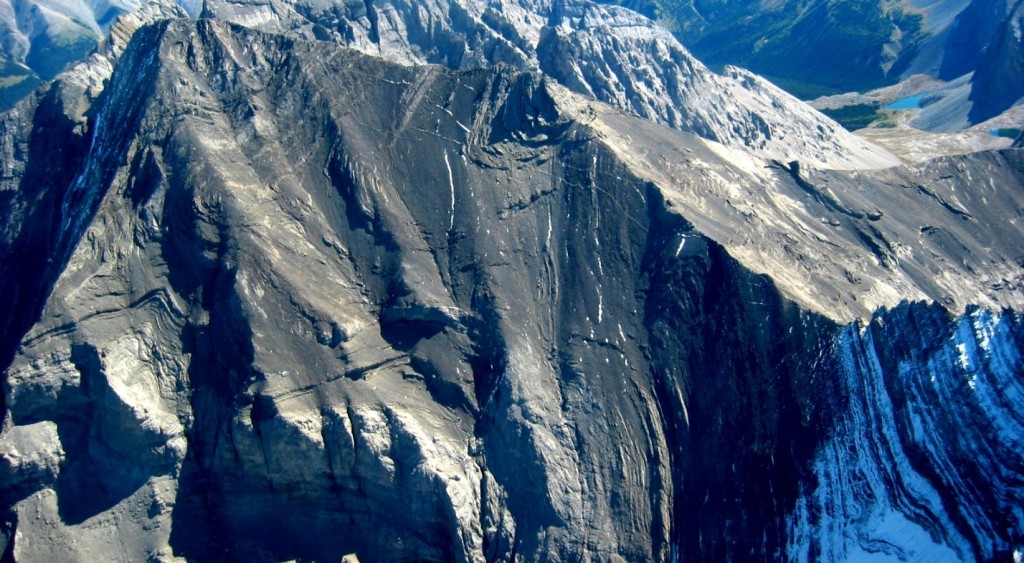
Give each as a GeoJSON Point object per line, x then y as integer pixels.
{"type": "Point", "coordinates": [611, 53]}
{"type": "Point", "coordinates": [269, 294]}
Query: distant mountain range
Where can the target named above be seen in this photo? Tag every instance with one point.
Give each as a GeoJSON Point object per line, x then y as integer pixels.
{"type": "Point", "coordinates": [809, 48]}
{"type": "Point", "coordinates": [40, 38]}
{"type": "Point", "coordinates": [813, 47]}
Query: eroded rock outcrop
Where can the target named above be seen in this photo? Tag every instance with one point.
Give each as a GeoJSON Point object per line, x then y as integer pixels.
{"type": "Point", "coordinates": [290, 300]}
{"type": "Point", "coordinates": [921, 449]}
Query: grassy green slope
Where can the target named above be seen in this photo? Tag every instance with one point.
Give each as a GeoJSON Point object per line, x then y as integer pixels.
{"type": "Point", "coordinates": [810, 47]}
{"type": "Point", "coordinates": [16, 82]}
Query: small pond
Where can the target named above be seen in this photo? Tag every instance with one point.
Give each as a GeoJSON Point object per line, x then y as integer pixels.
{"type": "Point", "coordinates": [1008, 132]}
{"type": "Point", "coordinates": [910, 102]}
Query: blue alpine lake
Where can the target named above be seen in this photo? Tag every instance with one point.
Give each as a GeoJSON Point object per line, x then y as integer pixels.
{"type": "Point", "coordinates": [910, 102]}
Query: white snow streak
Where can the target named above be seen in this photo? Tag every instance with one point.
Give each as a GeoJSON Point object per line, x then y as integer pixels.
{"type": "Point", "coordinates": [451, 184]}
{"type": "Point", "coordinates": [547, 239]}
{"type": "Point", "coordinates": [455, 119]}
{"type": "Point", "coordinates": [868, 494]}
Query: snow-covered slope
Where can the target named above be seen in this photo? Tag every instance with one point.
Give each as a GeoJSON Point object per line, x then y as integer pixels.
{"type": "Point", "coordinates": [927, 458]}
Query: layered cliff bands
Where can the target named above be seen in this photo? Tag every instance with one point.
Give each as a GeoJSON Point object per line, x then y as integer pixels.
{"type": "Point", "coordinates": [920, 387]}
{"type": "Point", "coordinates": [273, 297]}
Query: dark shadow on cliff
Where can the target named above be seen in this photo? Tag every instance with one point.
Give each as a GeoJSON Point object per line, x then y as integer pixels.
{"type": "Point", "coordinates": [31, 263]}
{"type": "Point", "coordinates": [742, 358]}
{"type": "Point", "coordinates": [93, 478]}
{"type": "Point", "coordinates": [220, 369]}
{"type": "Point", "coordinates": [55, 182]}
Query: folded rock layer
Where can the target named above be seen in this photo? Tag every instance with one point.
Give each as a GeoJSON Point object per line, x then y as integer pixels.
{"type": "Point", "coordinates": [283, 299]}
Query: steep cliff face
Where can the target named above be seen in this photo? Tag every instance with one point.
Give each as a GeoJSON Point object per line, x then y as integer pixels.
{"type": "Point", "coordinates": [285, 299]}
{"type": "Point", "coordinates": [927, 446]}
{"type": "Point", "coordinates": [45, 141]}
{"type": "Point", "coordinates": [999, 79]}
{"type": "Point", "coordinates": [971, 32]}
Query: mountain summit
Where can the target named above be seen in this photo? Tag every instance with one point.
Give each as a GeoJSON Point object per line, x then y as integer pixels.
{"type": "Point", "coordinates": [267, 297]}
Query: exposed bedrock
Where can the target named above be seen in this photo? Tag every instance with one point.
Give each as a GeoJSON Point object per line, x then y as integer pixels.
{"type": "Point", "coordinates": [299, 303]}
{"type": "Point", "coordinates": [609, 53]}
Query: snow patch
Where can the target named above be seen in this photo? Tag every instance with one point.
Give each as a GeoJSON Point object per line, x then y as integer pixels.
{"type": "Point", "coordinates": [451, 185]}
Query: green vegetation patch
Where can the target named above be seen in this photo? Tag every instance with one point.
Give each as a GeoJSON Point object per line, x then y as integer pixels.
{"type": "Point", "coordinates": [856, 116]}
{"type": "Point", "coordinates": [50, 55]}
{"type": "Point", "coordinates": [809, 48]}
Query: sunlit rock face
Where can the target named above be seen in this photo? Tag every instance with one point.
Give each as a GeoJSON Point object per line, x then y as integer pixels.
{"type": "Point", "coordinates": [610, 53]}
{"type": "Point", "coordinates": [275, 299]}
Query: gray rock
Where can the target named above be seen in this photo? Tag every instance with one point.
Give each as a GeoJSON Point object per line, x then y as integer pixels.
{"type": "Point", "coordinates": [30, 454]}
{"type": "Point", "coordinates": [543, 328]}
{"type": "Point", "coordinates": [607, 52]}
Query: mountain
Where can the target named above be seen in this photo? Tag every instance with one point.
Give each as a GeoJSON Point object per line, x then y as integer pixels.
{"type": "Point", "coordinates": [811, 48]}
{"type": "Point", "coordinates": [606, 52]}
{"type": "Point", "coordinates": [970, 34]}
{"type": "Point", "coordinates": [992, 63]}
{"type": "Point", "coordinates": [970, 109]}
{"type": "Point", "coordinates": [38, 40]}
{"type": "Point", "coordinates": [819, 48]}
{"type": "Point", "coordinates": [41, 38]}
{"type": "Point", "coordinates": [270, 298]}
{"type": "Point", "coordinates": [999, 79]}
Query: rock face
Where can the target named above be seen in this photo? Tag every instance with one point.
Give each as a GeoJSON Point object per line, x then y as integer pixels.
{"type": "Point", "coordinates": [612, 54]}
{"type": "Point", "coordinates": [274, 296]}
{"type": "Point", "coordinates": [904, 463]}
{"type": "Point", "coordinates": [999, 79]}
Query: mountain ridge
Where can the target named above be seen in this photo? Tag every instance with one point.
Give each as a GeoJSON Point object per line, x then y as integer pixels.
{"type": "Point", "coordinates": [448, 316]}
{"type": "Point", "coordinates": [593, 49]}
